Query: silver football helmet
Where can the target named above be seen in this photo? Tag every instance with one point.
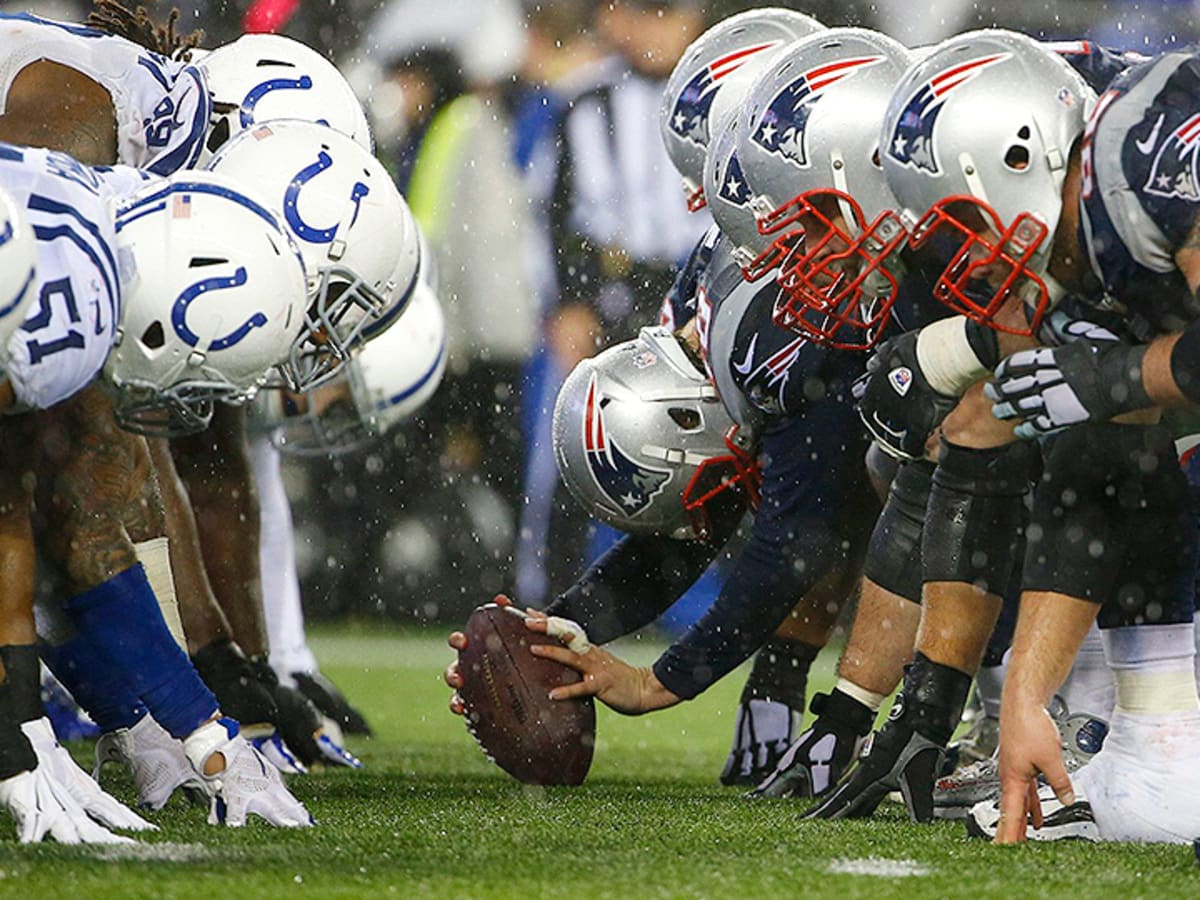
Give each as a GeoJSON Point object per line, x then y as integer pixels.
{"type": "Point", "coordinates": [384, 384]}
{"type": "Point", "coordinates": [641, 439]}
{"type": "Point", "coordinates": [976, 142]}
{"type": "Point", "coordinates": [728, 197]}
{"type": "Point", "coordinates": [808, 146]}
{"type": "Point", "coordinates": [727, 54]}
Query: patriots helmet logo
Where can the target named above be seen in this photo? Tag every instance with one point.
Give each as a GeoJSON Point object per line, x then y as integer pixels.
{"type": "Point", "coordinates": [628, 485]}
{"type": "Point", "coordinates": [912, 140]}
{"type": "Point", "coordinates": [782, 126]}
{"type": "Point", "coordinates": [734, 189]}
{"type": "Point", "coordinates": [1174, 173]}
{"type": "Point", "coordinates": [689, 117]}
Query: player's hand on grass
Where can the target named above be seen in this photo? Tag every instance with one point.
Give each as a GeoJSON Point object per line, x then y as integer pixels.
{"type": "Point", "coordinates": [1030, 745]}
{"type": "Point", "coordinates": [43, 808]}
{"type": "Point", "coordinates": [57, 762]}
{"type": "Point", "coordinates": [240, 779]}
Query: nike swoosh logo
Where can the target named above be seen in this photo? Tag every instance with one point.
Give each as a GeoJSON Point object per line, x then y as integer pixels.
{"type": "Point", "coordinates": [748, 363]}
{"type": "Point", "coordinates": [1144, 147]}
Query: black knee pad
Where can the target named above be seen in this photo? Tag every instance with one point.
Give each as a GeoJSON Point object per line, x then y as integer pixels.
{"type": "Point", "coordinates": [894, 554]}
{"type": "Point", "coordinates": [1112, 523]}
{"type": "Point", "coordinates": [976, 512]}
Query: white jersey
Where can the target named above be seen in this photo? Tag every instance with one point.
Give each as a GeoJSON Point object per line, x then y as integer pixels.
{"type": "Point", "coordinates": [72, 322]}
{"type": "Point", "coordinates": [162, 105]}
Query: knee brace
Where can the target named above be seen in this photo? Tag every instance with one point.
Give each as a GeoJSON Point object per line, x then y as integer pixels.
{"type": "Point", "coordinates": [894, 554]}
{"type": "Point", "coordinates": [975, 514]}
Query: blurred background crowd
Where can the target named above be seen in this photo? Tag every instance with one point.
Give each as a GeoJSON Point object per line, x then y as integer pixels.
{"type": "Point", "coordinates": [525, 136]}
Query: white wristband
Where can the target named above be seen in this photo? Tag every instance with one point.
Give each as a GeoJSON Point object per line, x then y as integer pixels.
{"type": "Point", "coordinates": [946, 358]}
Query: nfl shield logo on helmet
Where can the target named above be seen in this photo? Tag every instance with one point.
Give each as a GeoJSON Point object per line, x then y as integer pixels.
{"type": "Point", "coordinates": [912, 139]}
{"type": "Point", "coordinates": [783, 123]}
{"type": "Point", "coordinates": [628, 486]}
{"type": "Point", "coordinates": [689, 118]}
{"type": "Point", "coordinates": [1174, 173]}
{"type": "Point", "coordinates": [901, 380]}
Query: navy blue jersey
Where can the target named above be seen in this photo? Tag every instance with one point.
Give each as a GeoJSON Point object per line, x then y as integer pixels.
{"type": "Point", "coordinates": [1141, 187]}
{"type": "Point", "coordinates": [679, 306]}
{"type": "Point", "coordinates": [1098, 66]}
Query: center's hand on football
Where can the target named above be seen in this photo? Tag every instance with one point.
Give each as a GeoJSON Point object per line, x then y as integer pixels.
{"type": "Point", "coordinates": [615, 683]}
{"type": "Point", "coordinates": [1029, 745]}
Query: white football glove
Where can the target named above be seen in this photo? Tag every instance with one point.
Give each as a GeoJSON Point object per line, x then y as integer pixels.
{"type": "Point", "coordinates": [154, 759]}
{"type": "Point", "coordinates": [247, 783]}
{"type": "Point", "coordinates": [764, 731]}
{"type": "Point", "coordinates": [57, 762]}
{"type": "Point", "coordinates": [44, 808]}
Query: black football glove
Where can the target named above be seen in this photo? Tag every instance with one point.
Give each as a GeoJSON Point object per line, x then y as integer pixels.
{"type": "Point", "coordinates": [815, 763]}
{"type": "Point", "coordinates": [895, 401]}
{"type": "Point", "coordinates": [240, 693]}
{"type": "Point", "coordinates": [763, 733]}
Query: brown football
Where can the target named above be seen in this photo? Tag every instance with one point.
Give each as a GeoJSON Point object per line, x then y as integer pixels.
{"type": "Point", "coordinates": [508, 708]}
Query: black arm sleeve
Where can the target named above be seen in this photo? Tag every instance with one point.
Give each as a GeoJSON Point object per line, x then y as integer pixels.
{"type": "Point", "coordinates": [813, 480]}
{"type": "Point", "coordinates": [639, 578]}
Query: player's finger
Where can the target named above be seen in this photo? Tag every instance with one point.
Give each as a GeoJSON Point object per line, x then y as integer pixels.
{"type": "Point", "coordinates": [588, 687]}
{"type": "Point", "coordinates": [535, 613]}
{"type": "Point", "coordinates": [1011, 829]}
{"type": "Point", "coordinates": [502, 600]}
{"type": "Point", "coordinates": [1060, 782]}
{"type": "Point", "coordinates": [1033, 804]}
{"type": "Point", "coordinates": [560, 654]}
{"type": "Point", "coordinates": [457, 640]}
{"type": "Point", "coordinates": [452, 676]}
{"type": "Point", "coordinates": [457, 706]}
{"type": "Point", "coordinates": [536, 624]}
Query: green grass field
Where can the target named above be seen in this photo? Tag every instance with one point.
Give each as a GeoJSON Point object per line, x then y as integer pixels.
{"type": "Point", "coordinates": [431, 817]}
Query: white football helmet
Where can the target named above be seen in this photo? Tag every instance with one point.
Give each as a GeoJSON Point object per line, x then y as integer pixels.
{"type": "Point", "coordinates": [213, 296]}
{"type": "Point", "coordinates": [644, 443]}
{"type": "Point", "coordinates": [358, 239]}
{"type": "Point", "coordinates": [269, 76]}
{"type": "Point", "coordinates": [18, 269]}
{"type": "Point", "coordinates": [975, 146]}
{"type": "Point", "coordinates": [383, 385]}
{"type": "Point", "coordinates": [718, 63]}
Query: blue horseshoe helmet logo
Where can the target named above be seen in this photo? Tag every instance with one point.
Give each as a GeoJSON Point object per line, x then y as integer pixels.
{"type": "Point", "coordinates": [291, 196]}
{"type": "Point", "coordinates": [180, 308]}
{"type": "Point", "coordinates": [246, 113]}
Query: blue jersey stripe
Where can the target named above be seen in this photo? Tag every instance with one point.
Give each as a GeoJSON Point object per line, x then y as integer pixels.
{"type": "Point", "coordinates": [47, 233]}
{"type": "Point", "coordinates": [42, 203]}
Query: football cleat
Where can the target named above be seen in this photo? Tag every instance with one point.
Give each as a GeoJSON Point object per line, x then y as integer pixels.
{"type": "Point", "coordinates": [764, 731]}
{"type": "Point", "coordinates": [332, 702]}
{"type": "Point", "coordinates": [978, 742]}
{"type": "Point", "coordinates": [819, 757]}
{"type": "Point", "coordinates": [1059, 821]}
{"type": "Point", "coordinates": [894, 758]}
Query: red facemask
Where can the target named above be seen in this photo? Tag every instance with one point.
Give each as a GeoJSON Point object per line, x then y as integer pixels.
{"type": "Point", "coordinates": [715, 477]}
{"type": "Point", "coordinates": [983, 274]}
{"type": "Point", "coordinates": [836, 288]}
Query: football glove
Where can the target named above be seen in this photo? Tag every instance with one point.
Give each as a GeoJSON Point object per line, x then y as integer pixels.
{"type": "Point", "coordinates": [764, 730]}
{"type": "Point", "coordinates": [332, 702]}
{"type": "Point", "coordinates": [246, 784]}
{"type": "Point", "coordinates": [894, 758]}
{"type": "Point", "coordinates": [55, 761]}
{"type": "Point", "coordinates": [154, 759]}
{"type": "Point", "coordinates": [240, 692]}
{"type": "Point", "coordinates": [44, 808]}
{"type": "Point", "coordinates": [815, 762]}
{"type": "Point", "coordinates": [301, 725]}
{"type": "Point", "coordinates": [1091, 378]}
{"type": "Point", "coordinates": [895, 401]}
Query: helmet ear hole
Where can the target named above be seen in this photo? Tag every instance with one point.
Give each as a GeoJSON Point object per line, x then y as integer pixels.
{"type": "Point", "coordinates": [154, 337]}
{"type": "Point", "coordinates": [1017, 157]}
{"type": "Point", "coordinates": [687, 419]}
{"type": "Point", "coordinates": [218, 136]}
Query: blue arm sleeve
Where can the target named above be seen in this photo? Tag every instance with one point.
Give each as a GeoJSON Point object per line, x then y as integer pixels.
{"type": "Point", "coordinates": [816, 511]}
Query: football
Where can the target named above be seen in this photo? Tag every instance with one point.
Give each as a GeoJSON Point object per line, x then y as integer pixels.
{"type": "Point", "coordinates": [508, 708]}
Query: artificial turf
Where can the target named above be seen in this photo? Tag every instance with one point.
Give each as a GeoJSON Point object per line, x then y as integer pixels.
{"type": "Point", "coordinates": [431, 817]}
